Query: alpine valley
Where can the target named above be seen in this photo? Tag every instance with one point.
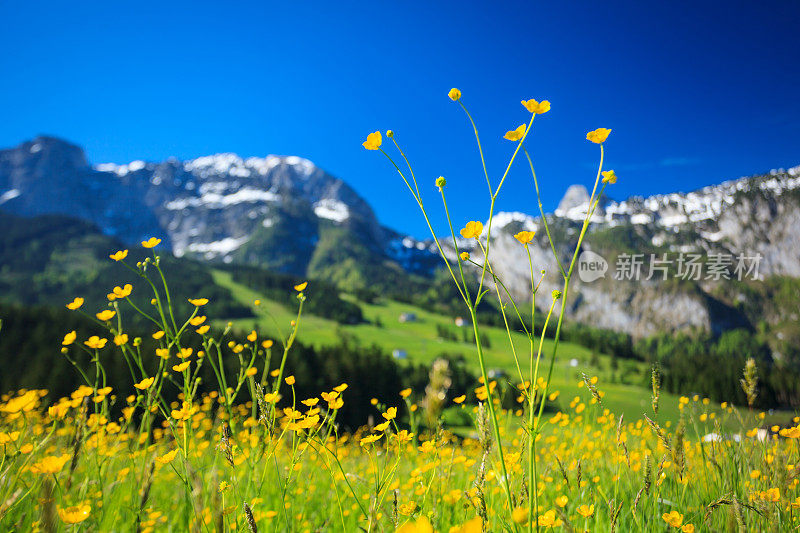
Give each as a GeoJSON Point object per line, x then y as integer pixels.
{"type": "Point", "coordinates": [287, 215]}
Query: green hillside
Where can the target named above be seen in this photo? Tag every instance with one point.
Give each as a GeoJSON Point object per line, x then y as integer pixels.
{"type": "Point", "coordinates": [419, 339]}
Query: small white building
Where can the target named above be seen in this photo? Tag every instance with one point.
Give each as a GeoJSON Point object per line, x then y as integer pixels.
{"type": "Point", "coordinates": [399, 354]}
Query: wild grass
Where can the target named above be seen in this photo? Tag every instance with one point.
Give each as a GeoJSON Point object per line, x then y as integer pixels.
{"type": "Point", "coordinates": [250, 455]}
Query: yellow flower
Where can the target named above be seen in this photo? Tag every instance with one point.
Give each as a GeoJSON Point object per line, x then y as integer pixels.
{"type": "Point", "coordinates": [688, 528]}
{"type": "Point", "coordinates": [183, 353]}
{"type": "Point", "coordinates": [119, 340]}
{"type": "Point", "coordinates": [460, 399]}
{"type": "Point", "coordinates": [252, 371]}
{"type": "Point", "coordinates": [673, 518]}
{"type": "Point", "coordinates": [382, 426]}
{"type": "Point", "coordinates": [390, 414]}
{"type": "Point", "coordinates": [119, 256]}
{"type": "Point", "coordinates": [598, 136]}
{"type": "Point", "coordinates": [515, 135]}
{"type": "Point", "coordinates": [167, 457]}
{"type": "Point", "coordinates": [152, 242]}
{"type": "Point", "coordinates": [252, 336]}
{"type": "Point", "coordinates": [472, 230]}
{"type": "Point", "coordinates": [472, 526]}
{"type": "Point", "coordinates": [537, 108]}
{"type": "Point", "coordinates": [181, 367]}
{"type": "Point", "coordinates": [586, 510]}
{"type": "Point", "coordinates": [267, 344]}
{"type": "Point", "coordinates": [520, 515]}
{"type": "Point", "coordinates": [464, 256]}
{"type": "Point", "coordinates": [69, 338]}
{"type": "Point", "coordinates": [198, 302]}
{"type": "Point", "coordinates": [145, 383]}
{"type": "Point", "coordinates": [373, 141]}
{"type": "Point", "coordinates": [290, 380]}
{"type": "Point", "coordinates": [196, 321]}
{"type": "Point", "coordinates": [301, 287]}
{"type": "Point", "coordinates": [223, 486]}
{"type": "Point", "coordinates": [108, 314]}
{"type": "Point", "coordinates": [5, 438]}
{"type": "Point", "coordinates": [158, 334]}
{"type": "Point", "coordinates": [562, 501]}
{"type": "Point", "coordinates": [163, 353]}
{"type": "Point", "coordinates": [122, 292]}
{"type": "Point", "coordinates": [202, 330]}
{"type": "Point", "coordinates": [548, 519]}
{"type": "Point", "coordinates": [525, 236]}
{"type": "Point", "coordinates": [51, 464]}
{"type": "Point", "coordinates": [405, 393]}
{"type": "Point", "coordinates": [420, 525]}
{"type": "Point", "coordinates": [790, 433]}
{"type": "Point", "coordinates": [95, 342]}
{"type": "Point", "coordinates": [407, 509]}
{"type": "Point", "coordinates": [454, 94]}
{"type": "Point", "coordinates": [75, 514]}
{"type": "Point", "coordinates": [369, 439]}
{"type": "Point", "coordinates": [75, 304]}
{"type": "Point", "coordinates": [609, 177]}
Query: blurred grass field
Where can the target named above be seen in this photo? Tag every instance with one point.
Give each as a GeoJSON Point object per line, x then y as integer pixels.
{"type": "Point", "coordinates": [419, 340]}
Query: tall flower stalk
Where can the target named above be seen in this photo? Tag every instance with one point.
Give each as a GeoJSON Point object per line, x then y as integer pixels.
{"type": "Point", "coordinates": [475, 230]}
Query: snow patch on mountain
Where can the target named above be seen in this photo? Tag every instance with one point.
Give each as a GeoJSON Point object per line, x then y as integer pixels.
{"type": "Point", "coordinates": [332, 210]}
{"type": "Point", "coordinates": [214, 200]}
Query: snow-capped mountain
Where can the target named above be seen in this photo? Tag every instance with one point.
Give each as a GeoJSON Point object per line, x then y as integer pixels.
{"type": "Point", "coordinates": [277, 211]}
{"type": "Point", "coordinates": [752, 217]}
{"type": "Point", "coordinates": [287, 214]}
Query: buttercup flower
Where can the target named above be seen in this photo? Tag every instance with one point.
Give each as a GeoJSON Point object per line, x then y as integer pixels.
{"type": "Point", "coordinates": [95, 342]}
{"type": "Point", "coordinates": [75, 514]}
{"type": "Point", "coordinates": [107, 314]}
{"type": "Point", "coordinates": [673, 518]}
{"type": "Point", "coordinates": [51, 464]}
{"type": "Point", "coordinates": [152, 242]}
{"type": "Point", "coordinates": [69, 338]}
{"type": "Point", "coordinates": [586, 510]}
{"type": "Point", "coordinates": [609, 176]}
{"type": "Point", "coordinates": [598, 136]}
{"type": "Point", "coordinates": [301, 287]}
{"type": "Point", "coordinates": [374, 141]}
{"type": "Point", "coordinates": [525, 236]}
{"type": "Point", "coordinates": [464, 256]}
{"type": "Point", "coordinates": [472, 230]}
{"type": "Point", "coordinates": [75, 304]}
{"type": "Point", "coordinates": [515, 135]}
{"type": "Point", "coordinates": [123, 292]}
{"type": "Point", "coordinates": [167, 457]}
{"type": "Point", "coordinates": [454, 94]}
{"type": "Point", "coordinates": [198, 302]}
{"type": "Point", "coordinates": [537, 108]}
{"type": "Point", "coordinates": [119, 256]}
{"type": "Point", "coordinates": [145, 383]}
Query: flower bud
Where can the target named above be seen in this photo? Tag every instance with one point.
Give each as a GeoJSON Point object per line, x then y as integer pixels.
{"type": "Point", "coordinates": [556, 294]}
{"type": "Point", "coordinates": [441, 182]}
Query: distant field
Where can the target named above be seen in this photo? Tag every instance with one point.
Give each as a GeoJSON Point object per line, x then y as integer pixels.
{"type": "Point", "coordinates": [419, 340]}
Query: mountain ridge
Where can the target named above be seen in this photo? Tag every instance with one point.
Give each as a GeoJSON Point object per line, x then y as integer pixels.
{"type": "Point", "coordinates": [286, 214]}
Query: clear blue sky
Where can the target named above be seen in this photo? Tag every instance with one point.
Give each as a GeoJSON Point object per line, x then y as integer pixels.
{"type": "Point", "coordinates": [696, 92]}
